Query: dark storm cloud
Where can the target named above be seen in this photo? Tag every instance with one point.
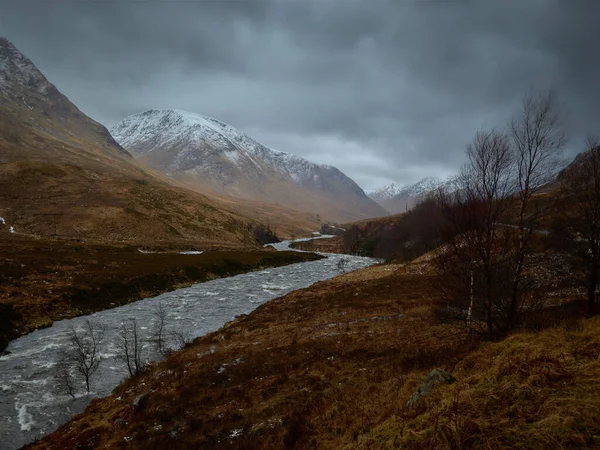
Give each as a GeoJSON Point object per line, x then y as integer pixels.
{"type": "Point", "coordinates": [385, 90]}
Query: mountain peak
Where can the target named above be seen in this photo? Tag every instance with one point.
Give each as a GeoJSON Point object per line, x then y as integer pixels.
{"type": "Point", "coordinates": [397, 198]}
{"type": "Point", "coordinates": [387, 191]}
{"type": "Point", "coordinates": [17, 72]}
{"type": "Point", "coordinates": [29, 101]}
{"type": "Point", "coordinates": [215, 155]}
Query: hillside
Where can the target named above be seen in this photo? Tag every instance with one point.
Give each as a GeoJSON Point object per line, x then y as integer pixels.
{"type": "Point", "coordinates": [214, 156]}
{"type": "Point", "coordinates": [61, 173]}
{"type": "Point", "coordinates": [337, 364]}
{"type": "Point", "coordinates": [348, 233]}
{"type": "Point", "coordinates": [75, 208]}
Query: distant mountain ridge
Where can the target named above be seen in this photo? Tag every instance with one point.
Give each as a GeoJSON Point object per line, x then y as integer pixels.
{"type": "Point", "coordinates": [211, 154]}
{"type": "Point", "coordinates": [397, 198]}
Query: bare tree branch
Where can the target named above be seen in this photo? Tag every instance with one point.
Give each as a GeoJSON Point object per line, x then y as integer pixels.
{"type": "Point", "coordinates": [130, 347]}
{"type": "Point", "coordinates": [85, 349]}
{"type": "Point", "coordinates": [538, 136]}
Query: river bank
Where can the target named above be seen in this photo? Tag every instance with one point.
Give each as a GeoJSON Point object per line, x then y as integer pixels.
{"type": "Point", "coordinates": [42, 281]}
{"type": "Point", "coordinates": [30, 406]}
{"type": "Point", "coordinates": [334, 365]}
{"type": "Point", "coordinates": [302, 371]}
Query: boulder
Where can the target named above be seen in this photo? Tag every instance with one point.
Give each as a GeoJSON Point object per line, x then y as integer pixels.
{"type": "Point", "coordinates": [435, 378]}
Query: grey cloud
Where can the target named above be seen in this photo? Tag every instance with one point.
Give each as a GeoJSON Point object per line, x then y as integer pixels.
{"type": "Point", "coordinates": [405, 82]}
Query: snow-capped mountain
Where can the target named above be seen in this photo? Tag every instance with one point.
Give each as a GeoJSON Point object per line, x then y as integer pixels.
{"type": "Point", "coordinates": [63, 173]}
{"type": "Point", "coordinates": [388, 191]}
{"type": "Point", "coordinates": [414, 190]}
{"type": "Point", "coordinates": [397, 198]}
{"type": "Point", "coordinates": [211, 154]}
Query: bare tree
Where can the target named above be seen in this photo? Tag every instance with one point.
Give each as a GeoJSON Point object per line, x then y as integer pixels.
{"type": "Point", "coordinates": [538, 136]}
{"type": "Point", "coordinates": [63, 376]}
{"type": "Point", "coordinates": [341, 264]}
{"type": "Point", "coordinates": [159, 332]}
{"type": "Point", "coordinates": [182, 339]}
{"type": "Point", "coordinates": [130, 347]}
{"type": "Point", "coordinates": [581, 188]}
{"type": "Point", "coordinates": [85, 349]}
{"type": "Point", "coordinates": [476, 252]}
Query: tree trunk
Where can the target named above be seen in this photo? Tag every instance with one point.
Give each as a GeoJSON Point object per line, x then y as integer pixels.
{"type": "Point", "coordinates": [593, 282]}
{"type": "Point", "coordinates": [514, 300]}
{"type": "Point", "coordinates": [470, 312]}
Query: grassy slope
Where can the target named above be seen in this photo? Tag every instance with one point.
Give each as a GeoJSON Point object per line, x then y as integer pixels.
{"type": "Point", "coordinates": [332, 366]}
{"type": "Point", "coordinates": [336, 244]}
{"type": "Point", "coordinates": [46, 280]}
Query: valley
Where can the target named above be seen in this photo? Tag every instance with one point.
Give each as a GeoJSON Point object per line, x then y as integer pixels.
{"type": "Point", "coordinates": [196, 250]}
{"type": "Point", "coordinates": [205, 306]}
{"type": "Point", "coordinates": [334, 365]}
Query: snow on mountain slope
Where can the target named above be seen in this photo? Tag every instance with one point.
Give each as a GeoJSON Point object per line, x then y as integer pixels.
{"type": "Point", "coordinates": [396, 198]}
{"type": "Point", "coordinates": [218, 156]}
{"type": "Point", "coordinates": [414, 190]}
{"type": "Point", "coordinates": [16, 70]}
{"type": "Point", "coordinates": [388, 191]}
{"type": "Point", "coordinates": [62, 173]}
{"type": "Point", "coordinates": [154, 130]}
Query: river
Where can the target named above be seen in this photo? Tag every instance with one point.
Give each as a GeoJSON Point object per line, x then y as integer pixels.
{"type": "Point", "coordinates": [31, 407]}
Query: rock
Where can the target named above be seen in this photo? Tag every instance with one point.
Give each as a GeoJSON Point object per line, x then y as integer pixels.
{"type": "Point", "coordinates": [119, 422]}
{"type": "Point", "coordinates": [140, 403]}
{"type": "Point", "coordinates": [435, 378]}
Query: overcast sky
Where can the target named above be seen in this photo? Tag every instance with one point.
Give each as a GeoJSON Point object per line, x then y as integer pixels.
{"type": "Point", "coordinates": [384, 90]}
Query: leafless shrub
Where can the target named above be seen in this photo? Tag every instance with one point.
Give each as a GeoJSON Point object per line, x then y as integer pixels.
{"type": "Point", "coordinates": [64, 382]}
{"type": "Point", "coordinates": [130, 347]}
{"type": "Point", "coordinates": [182, 339]}
{"type": "Point", "coordinates": [342, 264]}
{"type": "Point", "coordinates": [85, 348]}
{"type": "Point", "coordinates": [159, 332]}
{"type": "Point", "coordinates": [476, 253]}
{"type": "Point", "coordinates": [538, 136]}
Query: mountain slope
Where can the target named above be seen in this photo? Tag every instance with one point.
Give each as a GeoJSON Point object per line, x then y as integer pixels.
{"type": "Point", "coordinates": [213, 155]}
{"type": "Point", "coordinates": [397, 199]}
{"type": "Point", "coordinates": [62, 173]}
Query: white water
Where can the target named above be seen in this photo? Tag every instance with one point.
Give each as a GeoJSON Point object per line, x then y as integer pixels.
{"type": "Point", "coordinates": [30, 406]}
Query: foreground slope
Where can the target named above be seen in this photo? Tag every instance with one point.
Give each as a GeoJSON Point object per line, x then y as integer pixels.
{"type": "Point", "coordinates": [61, 173]}
{"type": "Point", "coordinates": [333, 366]}
{"type": "Point", "coordinates": [213, 155]}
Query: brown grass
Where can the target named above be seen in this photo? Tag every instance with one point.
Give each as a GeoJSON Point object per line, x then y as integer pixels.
{"type": "Point", "coordinates": [332, 367]}
{"type": "Point", "coordinates": [315, 368]}
{"type": "Point", "coordinates": [530, 391]}
{"type": "Point", "coordinates": [43, 280]}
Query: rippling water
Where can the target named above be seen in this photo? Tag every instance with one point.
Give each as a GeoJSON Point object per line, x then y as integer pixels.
{"type": "Point", "coordinates": [30, 407]}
